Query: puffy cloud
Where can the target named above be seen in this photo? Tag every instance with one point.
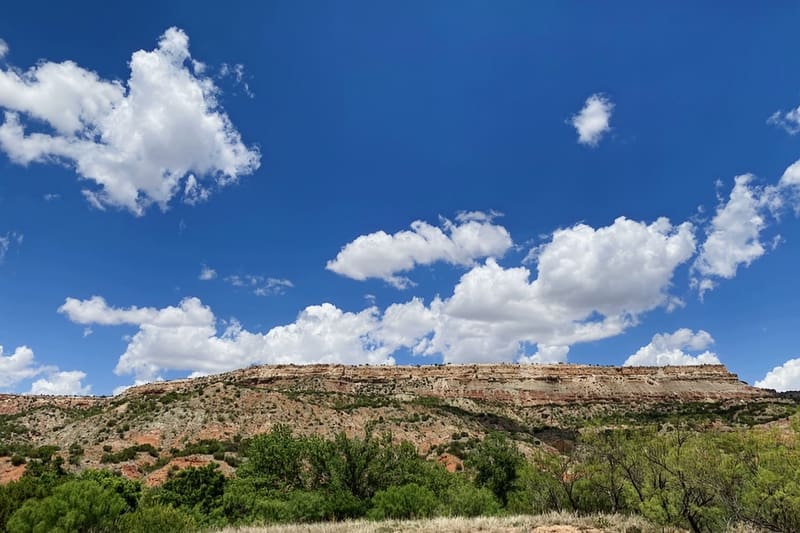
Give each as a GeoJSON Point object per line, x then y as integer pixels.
{"type": "Point", "coordinates": [624, 268]}
{"type": "Point", "coordinates": [789, 120]}
{"type": "Point", "coordinates": [734, 235]}
{"type": "Point", "coordinates": [591, 284]}
{"type": "Point", "coordinates": [207, 273]}
{"type": "Point", "coordinates": [261, 285]}
{"type": "Point", "coordinates": [383, 256]}
{"type": "Point", "coordinates": [21, 365]}
{"type": "Point", "coordinates": [782, 378]}
{"type": "Point", "coordinates": [670, 349]}
{"type": "Point", "coordinates": [136, 141]}
{"type": "Point", "coordinates": [592, 122]}
{"type": "Point", "coordinates": [7, 241]}
{"type": "Point", "coordinates": [186, 337]}
{"type": "Point", "coordinates": [95, 310]}
{"type": "Point", "coordinates": [17, 366]}
{"type": "Point", "coordinates": [791, 176]}
{"type": "Point", "coordinates": [546, 355]}
{"type": "Point", "coordinates": [62, 384]}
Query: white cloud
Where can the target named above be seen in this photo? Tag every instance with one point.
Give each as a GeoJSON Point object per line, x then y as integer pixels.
{"type": "Point", "coordinates": [791, 176]}
{"type": "Point", "coordinates": [670, 349]}
{"type": "Point", "coordinates": [7, 241]}
{"type": "Point", "coordinates": [592, 122]}
{"type": "Point", "coordinates": [782, 378]}
{"type": "Point", "coordinates": [591, 284]}
{"type": "Point", "coordinates": [734, 235]}
{"type": "Point", "coordinates": [236, 72]}
{"type": "Point", "coordinates": [136, 141]}
{"type": "Point", "coordinates": [21, 365]}
{"type": "Point", "coordinates": [261, 285]}
{"type": "Point", "coordinates": [17, 366]}
{"type": "Point", "coordinates": [3, 49]}
{"type": "Point", "coordinates": [789, 120]}
{"type": "Point", "coordinates": [383, 256]}
{"type": "Point", "coordinates": [546, 355]}
{"type": "Point", "coordinates": [207, 273]}
{"type": "Point", "coordinates": [51, 197]}
{"type": "Point", "coordinates": [62, 384]}
{"type": "Point", "coordinates": [186, 337]}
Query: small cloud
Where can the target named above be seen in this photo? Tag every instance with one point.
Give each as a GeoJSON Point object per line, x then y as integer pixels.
{"type": "Point", "coordinates": [7, 241]}
{"type": "Point", "coordinates": [87, 331]}
{"type": "Point", "coordinates": [592, 122]}
{"type": "Point", "coordinates": [207, 273]}
{"type": "Point", "coordinates": [51, 197]}
{"type": "Point", "coordinates": [239, 77]}
{"type": "Point", "coordinates": [675, 349]}
{"type": "Point", "coordinates": [782, 378]}
{"type": "Point", "coordinates": [3, 48]}
{"type": "Point", "coordinates": [261, 285]}
{"type": "Point", "coordinates": [789, 120]}
{"type": "Point", "coordinates": [62, 384]}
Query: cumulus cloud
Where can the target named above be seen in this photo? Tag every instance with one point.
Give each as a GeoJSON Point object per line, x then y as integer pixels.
{"type": "Point", "coordinates": [791, 176]}
{"type": "Point", "coordinates": [789, 120]}
{"type": "Point", "coordinates": [17, 366]}
{"type": "Point", "coordinates": [261, 285]}
{"type": "Point", "coordinates": [62, 384]}
{"type": "Point", "coordinates": [135, 141]}
{"type": "Point", "coordinates": [734, 234]}
{"type": "Point", "coordinates": [8, 240]}
{"type": "Point", "coordinates": [591, 284]}
{"type": "Point", "coordinates": [782, 378]}
{"type": "Point", "coordinates": [592, 122]}
{"type": "Point", "coordinates": [21, 365]}
{"type": "Point", "coordinates": [187, 337]}
{"type": "Point", "coordinates": [546, 355]}
{"type": "Point", "coordinates": [207, 273]}
{"type": "Point", "coordinates": [671, 349]}
{"type": "Point", "coordinates": [383, 256]}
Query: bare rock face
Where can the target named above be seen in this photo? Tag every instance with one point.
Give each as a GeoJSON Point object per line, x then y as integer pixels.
{"type": "Point", "coordinates": [521, 385]}
{"type": "Point", "coordinates": [438, 408]}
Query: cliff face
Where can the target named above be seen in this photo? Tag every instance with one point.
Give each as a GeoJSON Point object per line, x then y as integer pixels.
{"type": "Point", "coordinates": [430, 406]}
{"type": "Point", "coordinates": [520, 385]}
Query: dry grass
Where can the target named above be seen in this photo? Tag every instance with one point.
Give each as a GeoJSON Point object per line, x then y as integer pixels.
{"type": "Point", "coordinates": [546, 523]}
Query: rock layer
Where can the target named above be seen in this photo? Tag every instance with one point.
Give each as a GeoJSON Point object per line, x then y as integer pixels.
{"type": "Point", "coordinates": [523, 385]}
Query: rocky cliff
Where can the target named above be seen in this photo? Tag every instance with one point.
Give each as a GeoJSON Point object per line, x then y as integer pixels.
{"type": "Point", "coordinates": [431, 406]}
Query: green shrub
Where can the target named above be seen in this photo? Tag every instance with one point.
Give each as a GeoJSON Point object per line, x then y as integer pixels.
{"type": "Point", "coordinates": [73, 506]}
{"type": "Point", "coordinates": [465, 499]}
{"type": "Point", "coordinates": [306, 506]}
{"type": "Point", "coordinates": [496, 462]}
{"type": "Point", "coordinates": [194, 488]}
{"type": "Point", "coordinates": [157, 519]}
{"type": "Point", "coordinates": [128, 489]}
{"type": "Point", "coordinates": [406, 501]}
{"type": "Point", "coordinates": [17, 460]}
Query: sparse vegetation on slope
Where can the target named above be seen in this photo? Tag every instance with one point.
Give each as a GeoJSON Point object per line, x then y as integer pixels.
{"type": "Point", "coordinates": [217, 451]}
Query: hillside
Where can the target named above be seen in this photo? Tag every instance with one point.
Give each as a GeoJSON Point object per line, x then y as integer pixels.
{"type": "Point", "coordinates": [440, 409]}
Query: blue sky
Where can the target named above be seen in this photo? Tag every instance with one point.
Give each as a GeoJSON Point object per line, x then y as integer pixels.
{"type": "Point", "coordinates": [570, 171]}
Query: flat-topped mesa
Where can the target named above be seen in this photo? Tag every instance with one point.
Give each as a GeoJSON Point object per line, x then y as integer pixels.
{"type": "Point", "coordinates": [522, 385]}
{"type": "Point", "coordinates": [11, 404]}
